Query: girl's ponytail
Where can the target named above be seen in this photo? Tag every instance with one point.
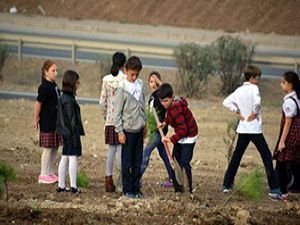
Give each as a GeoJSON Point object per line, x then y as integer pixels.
{"type": "Point", "coordinates": [118, 61]}
{"type": "Point", "coordinates": [293, 78]}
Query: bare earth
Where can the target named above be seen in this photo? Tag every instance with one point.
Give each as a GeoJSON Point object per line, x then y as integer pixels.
{"type": "Point", "coordinates": [31, 203]}
{"type": "Point", "coordinates": [269, 16]}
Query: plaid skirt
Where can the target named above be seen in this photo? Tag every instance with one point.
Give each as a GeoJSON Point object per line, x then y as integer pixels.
{"type": "Point", "coordinates": [291, 152]}
{"type": "Point", "coordinates": [111, 137]}
{"type": "Point", "coordinates": [50, 139]}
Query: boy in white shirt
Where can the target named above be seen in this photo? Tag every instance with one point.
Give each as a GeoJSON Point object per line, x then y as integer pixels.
{"type": "Point", "coordinates": [245, 101]}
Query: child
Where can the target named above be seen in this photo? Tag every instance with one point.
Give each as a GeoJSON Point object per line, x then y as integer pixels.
{"type": "Point", "coordinates": [180, 117]}
{"type": "Point", "coordinates": [245, 102]}
{"type": "Point", "coordinates": [107, 102]}
{"type": "Point", "coordinates": [287, 150]}
{"type": "Point", "coordinates": [155, 139]}
{"type": "Point", "coordinates": [69, 124]}
{"type": "Point", "coordinates": [130, 121]}
{"type": "Point", "coordinates": [45, 113]}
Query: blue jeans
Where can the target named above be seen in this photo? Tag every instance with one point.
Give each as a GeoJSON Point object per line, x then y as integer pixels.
{"type": "Point", "coordinates": [132, 155]}
{"type": "Point", "coordinates": [265, 154]}
{"type": "Point", "coordinates": [183, 153]}
{"type": "Point", "coordinates": [156, 143]}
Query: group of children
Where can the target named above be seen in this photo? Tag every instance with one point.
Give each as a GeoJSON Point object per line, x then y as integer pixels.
{"type": "Point", "coordinates": [127, 123]}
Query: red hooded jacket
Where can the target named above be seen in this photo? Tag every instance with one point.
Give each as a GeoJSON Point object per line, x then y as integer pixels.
{"type": "Point", "coordinates": [180, 117]}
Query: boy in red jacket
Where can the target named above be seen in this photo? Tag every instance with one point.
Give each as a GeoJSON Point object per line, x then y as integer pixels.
{"type": "Point", "coordinates": [180, 117]}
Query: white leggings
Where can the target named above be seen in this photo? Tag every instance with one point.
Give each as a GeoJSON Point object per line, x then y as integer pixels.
{"type": "Point", "coordinates": [48, 161]}
{"type": "Point", "coordinates": [62, 169]}
{"type": "Point", "coordinates": [112, 151]}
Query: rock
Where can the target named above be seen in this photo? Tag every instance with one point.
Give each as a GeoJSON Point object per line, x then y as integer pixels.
{"type": "Point", "coordinates": [289, 205]}
{"type": "Point", "coordinates": [242, 217]}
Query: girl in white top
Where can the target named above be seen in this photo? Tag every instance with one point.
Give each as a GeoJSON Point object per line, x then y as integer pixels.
{"type": "Point", "coordinates": [287, 150]}
{"type": "Point", "coordinates": [107, 102]}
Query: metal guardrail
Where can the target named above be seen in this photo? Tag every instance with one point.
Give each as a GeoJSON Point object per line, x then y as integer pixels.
{"type": "Point", "coordinates": [87, 46]}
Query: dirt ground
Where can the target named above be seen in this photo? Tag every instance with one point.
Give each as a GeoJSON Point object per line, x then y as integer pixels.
{"type": "Point", "coordinates": [33, 203]}
{"type": "Point", "coordinates": [269, 16]}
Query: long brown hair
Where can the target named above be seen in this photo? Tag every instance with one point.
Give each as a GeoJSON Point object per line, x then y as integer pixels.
{"type": "Point", "coordinates": [46, 66]}
{"type": "Point", "coordinates": [69, 80]}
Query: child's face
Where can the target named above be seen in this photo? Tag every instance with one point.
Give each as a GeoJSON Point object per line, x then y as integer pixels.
{"type": "Point", "coordinates": [152, 83]}
{"type": "Point", "coordinates": [132, 75]}
{"type": "Point", "coordinates": [286, 86]}
{"type": "Point", "coordinates": [51, 73]}
{"type": "Point", "coordinates": [166, 102]}
{"type": "Point", "coordinates": [255, 80]}
{"type": "Point", "coordinates": [77, 85]}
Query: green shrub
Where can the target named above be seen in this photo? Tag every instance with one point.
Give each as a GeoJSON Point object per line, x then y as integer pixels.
{"type": "Point", "coordinates": [250, 185]}
{"type": "Point", "coordinates": [195, 63]}
{"type": "Point", "coordinates": [232, 55]}
{"type": "Point", "coordinates": [82, 180]}
{"type": "Point", "coordinates": [7, 174]}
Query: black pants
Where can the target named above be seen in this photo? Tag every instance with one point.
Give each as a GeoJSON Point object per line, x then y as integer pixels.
{"type": "Point", "coordinates": [183, 153]}
{"type": "Point", "coordinates": [132, 156]}
{"type": "Point", "coordinates": [285, 171]}
{"type": "Point", "coordinates": [263, 149]}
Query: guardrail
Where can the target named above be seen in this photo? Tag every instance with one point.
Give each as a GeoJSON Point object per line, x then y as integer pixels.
{"type": "Point", "coordinates": [96, 47]}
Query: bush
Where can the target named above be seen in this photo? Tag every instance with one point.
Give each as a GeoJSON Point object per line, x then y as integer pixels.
{"type": "Point", "coordinates": [82, 180]}
{"type": "Point", "coordinates": [7, 173]}
{"type": "Point", "coordinates": [232, 56]}
{"type": "Point", "coordinates": [3, 55]}
{"type": "Point", "coordinates": [250, 185]}
{"type": "Point", "coordinates": [195, 63]}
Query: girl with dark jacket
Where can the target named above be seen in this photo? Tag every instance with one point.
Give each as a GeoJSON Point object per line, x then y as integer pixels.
{"type": "Point", "coordinates": [69, 125]}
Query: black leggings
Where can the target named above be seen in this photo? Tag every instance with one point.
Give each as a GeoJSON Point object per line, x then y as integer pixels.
{"type": "Point", "coordinates": [284, 173]}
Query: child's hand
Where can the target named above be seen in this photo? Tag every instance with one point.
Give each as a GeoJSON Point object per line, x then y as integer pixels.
{"type": "Point", "coordinates": [281, 146]}
{"type": "Point", "coordinates": [157, 80]}
{"type": "Point", "coordinates": [122, 138]}
{"type": "Point", "coordinates": [164, 139]}
{"type": "Point", "coordinates": [251, 117]}
{"type": "Point", "coordinates": [239, 114]}
{"type": "Point", "coordinates": [160, 125]}
{"type": "Point", "coordinates": [36, 125]}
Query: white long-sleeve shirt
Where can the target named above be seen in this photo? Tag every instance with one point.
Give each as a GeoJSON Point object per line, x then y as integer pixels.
{"type": "Point", "coordinates": [246, 99]}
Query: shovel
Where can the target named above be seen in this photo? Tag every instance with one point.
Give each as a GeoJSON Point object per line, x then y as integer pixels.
{"type": "Point", "coordinates": [174, 163]}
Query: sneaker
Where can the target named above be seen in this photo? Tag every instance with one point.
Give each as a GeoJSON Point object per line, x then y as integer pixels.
{"type": "Point", "coordinates": [167, 184]}
{"type": "Point", "coordinates": [75, 190]}
{"type": "Point", "coordinates": [275, 194]}
{"type": "Point", "coordinates": [54, 177]}
{"type": "Point", "coordinates": [129, 195]}
{"type": "Point", "coordinates": [226, 189]}
{"type": "Point", "coordinates": [285, 197]}
{"type": "Point", "coordinates": [46, 180]}
{"type": "Point", "coordinates": [139, 195]}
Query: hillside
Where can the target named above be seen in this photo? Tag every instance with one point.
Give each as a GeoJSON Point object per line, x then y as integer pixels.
{"type": "Point", "coordinates": [269, 16]}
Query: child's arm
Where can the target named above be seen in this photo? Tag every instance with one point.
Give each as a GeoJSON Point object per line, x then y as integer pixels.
{"type": "Point", "coordinates": [286, 129]}
{"type": "Point", "coordinates": [37, 110]}
{"type": "Point", "coordinates": [256, 105]}
{"type": "Point", "coordinates": [231, 104]}
{"type": "Point", "coordinates": [118, 115]}
{"type": "Point", "coordinates": [103, 99]}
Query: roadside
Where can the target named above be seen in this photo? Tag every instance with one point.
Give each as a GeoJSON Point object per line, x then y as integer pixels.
{"type": "Point", "coordinates": [169, 34]}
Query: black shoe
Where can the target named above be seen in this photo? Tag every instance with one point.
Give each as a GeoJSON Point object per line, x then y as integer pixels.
{"type": "Point", "coordinates": [75, 190]}
{"type": "Point", "coordinates": [62, 190]}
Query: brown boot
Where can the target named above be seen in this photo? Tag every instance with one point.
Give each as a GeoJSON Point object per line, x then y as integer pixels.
{"type": "Point", "coordinates": [109, 184]}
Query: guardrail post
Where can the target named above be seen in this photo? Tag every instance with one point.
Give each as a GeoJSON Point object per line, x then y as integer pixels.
{"type": "Point", "coordinates": [128, 52]}
{"type": "Point", "coordinates": [73, 53]}
{"type": "Point", "coordinates": [296, 68]}
{"type": "Point", "coordinates": [20, 43]}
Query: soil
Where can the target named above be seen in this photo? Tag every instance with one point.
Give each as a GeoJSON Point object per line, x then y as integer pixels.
{"type": "Point", "coordinates": [33, 203]}
{"type": "Point", "coordinates": [269, 16]}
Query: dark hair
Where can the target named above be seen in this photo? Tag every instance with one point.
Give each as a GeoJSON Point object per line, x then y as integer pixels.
{"type": "Point", "coordinates": [134, 63]}
{"type": "Point", "coordinates": [165, 91]}
{"type": "Point", "coordinates": [154, 73]}
{"type": "Point", "coordinates": [118, 60]}
{"type": "Point", "coordinates": [293, 78]}
{"type": "Point", "coordinates": [69, 80]}
{"type": "Point", "coordinates": [46, 66]}
{"type": "Point", "coordinates": [251, 71]}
